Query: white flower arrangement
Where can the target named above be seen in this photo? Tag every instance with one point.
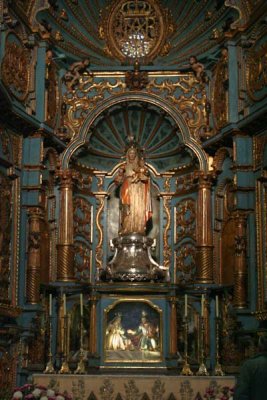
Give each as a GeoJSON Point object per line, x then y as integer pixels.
{"type": "Point", "coordinates": [38, 392]}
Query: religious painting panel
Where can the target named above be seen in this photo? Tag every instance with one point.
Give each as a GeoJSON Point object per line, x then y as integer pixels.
{"type": "Point", "coordinates": [133, 332]}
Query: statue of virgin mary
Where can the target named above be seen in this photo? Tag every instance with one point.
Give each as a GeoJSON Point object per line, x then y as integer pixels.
{"type": "Point", "coordinates": [135, 193]}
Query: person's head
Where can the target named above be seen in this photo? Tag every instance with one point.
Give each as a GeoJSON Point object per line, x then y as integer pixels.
{"type": "Point", "coordinates": [262, 344]}
{"type": "Point", "coordinates": [192, 60]}
{"type": "Point", "coordinates": [142, 162]}
{"type": "Point", "coordinates": [132, 154]}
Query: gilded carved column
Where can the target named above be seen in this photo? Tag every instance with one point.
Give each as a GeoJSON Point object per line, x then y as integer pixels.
{"type": "Point", "coordinates": [204, 230]}
{"type": "Point", "coordinates": [173, 327]}
{"type": "Point", "coordinates": [240, 272]}
{"type": "Point", "coordinates": [34, 256]}
{"type": "Point", "coordinates": [65, 247]}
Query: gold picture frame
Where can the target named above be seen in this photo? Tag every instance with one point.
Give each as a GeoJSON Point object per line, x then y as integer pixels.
{"type": "Point", "coordinates": [133, 332]}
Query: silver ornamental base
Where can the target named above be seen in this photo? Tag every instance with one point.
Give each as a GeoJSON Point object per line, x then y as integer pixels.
{"type": "Point", "coordinates": [132, 260]}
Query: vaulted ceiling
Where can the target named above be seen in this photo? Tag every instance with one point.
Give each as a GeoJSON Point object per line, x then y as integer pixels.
{"type": "Point", "coordinates": [154, 131]}
{"type": "Point", "coordinates": [199, 27]}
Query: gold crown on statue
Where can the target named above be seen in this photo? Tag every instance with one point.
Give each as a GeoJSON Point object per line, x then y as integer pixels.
{"type": "Point", "coordinates": [133, 144]}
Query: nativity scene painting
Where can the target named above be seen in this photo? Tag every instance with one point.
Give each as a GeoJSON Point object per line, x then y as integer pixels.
{"type": "Point", "coordinates": [133, 332]}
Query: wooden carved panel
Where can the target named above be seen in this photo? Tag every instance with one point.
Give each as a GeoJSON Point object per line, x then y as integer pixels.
{"type": "Point", "coordinates": [5, 236]}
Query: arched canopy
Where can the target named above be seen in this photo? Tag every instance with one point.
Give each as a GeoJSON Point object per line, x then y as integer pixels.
{"type": "Point", "coordinates": [159, 128]}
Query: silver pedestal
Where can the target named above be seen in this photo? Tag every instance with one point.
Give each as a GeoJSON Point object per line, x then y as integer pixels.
{"type": "Point", "coordinates": [132, 260]}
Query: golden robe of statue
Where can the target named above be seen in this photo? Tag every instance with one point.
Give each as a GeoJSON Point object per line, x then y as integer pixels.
{"type": "Point", "coordinates": [135, 196]}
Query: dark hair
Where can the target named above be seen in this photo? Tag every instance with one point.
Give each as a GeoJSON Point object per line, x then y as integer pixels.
{"type": "Point", "coordinates": [263, 343]}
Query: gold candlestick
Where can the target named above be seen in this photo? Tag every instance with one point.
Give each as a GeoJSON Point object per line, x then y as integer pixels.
{"type": "Point", "coordinates": [49, 369]}
{"type": "Point", "coordinates": [186, 367]}
{"type": "Point", "coordinates": [81, 365]}
{"type": "Point", "coordinates": [65, 369]}
{"type": "Point", "coordinates": [218, 368]}
{"type": "Point", "coordinates": [202, 370]}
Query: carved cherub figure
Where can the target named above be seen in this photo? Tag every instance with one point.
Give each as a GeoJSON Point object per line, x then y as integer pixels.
{"type": "Point", "coordinates": [72, 76]}
{"type": "Point", "coordinates": [198, 69]}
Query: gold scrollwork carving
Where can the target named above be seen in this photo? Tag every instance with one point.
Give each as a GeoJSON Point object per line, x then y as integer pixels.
{"type": "Point", "coordinates": [257, 72]}
{"type": "Point", "coordinates": [136, 29]}
{"type": "Point", "coordinates": [15, 69]}
{"type": "Point", "coordinates": [166, 246]}
{"type": "Point", "coordinates": [5, 236]}
{"type": "Point", "coordinates": [261, 210]}
{"type": "Point", "coordinates": [244, 7]}
{"type": "Point", "coordinates": [78, 107]}
{"type": "Point", "coordinates": [51, 87]}
{"type": "Point", "coordinates": [185, 219]}
{"type": "Point", "coordinates": [185, 184]}
{"type": "Point", "coordinates": [186, 262]}
{"type": "Point", "coordinates": [183, 91]}
{"type": "Point", "coordinates": [82, 236]}
{"type": "Point", "coordinates": [8, 366]}
{"type": "Point", "coordinates": [259, 143]}
{"type": "Point", "coordinates": [189, 96]}
{"type": "Point", "coordinates": [220, 91]}
{"type": "Point", "coordinates": [99, 249]}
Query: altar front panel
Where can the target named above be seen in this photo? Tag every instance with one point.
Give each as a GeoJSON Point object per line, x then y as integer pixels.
{"type": "Point", "coordinates": [159, 387]}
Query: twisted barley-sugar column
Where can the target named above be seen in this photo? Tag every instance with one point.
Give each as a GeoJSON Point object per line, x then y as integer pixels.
{"type": "Point", "coordinates": [204, 229]}
{"type": "Point", "coordinates": [34, 256]}
{"type": "Point", "coordinates": [240, 270]}
{"type": "Point", "coordinates": [65, 248]}
{"type": "Point", "coordinates": [173, 326]}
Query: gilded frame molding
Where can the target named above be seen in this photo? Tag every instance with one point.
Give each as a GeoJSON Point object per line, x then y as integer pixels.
{"type": "Point", "coordinates": [155, 307]}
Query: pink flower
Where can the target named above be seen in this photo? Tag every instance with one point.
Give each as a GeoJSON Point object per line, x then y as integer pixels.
{"type": "Point", "coordinates": [41, 387]}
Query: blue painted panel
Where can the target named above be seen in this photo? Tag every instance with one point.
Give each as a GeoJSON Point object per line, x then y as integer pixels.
{"type": "Point", "coordinates": [31, 151]}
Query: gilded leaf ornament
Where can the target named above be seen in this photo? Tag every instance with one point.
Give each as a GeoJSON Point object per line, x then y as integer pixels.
{"type": "Point", "coordinates": [183, 91]}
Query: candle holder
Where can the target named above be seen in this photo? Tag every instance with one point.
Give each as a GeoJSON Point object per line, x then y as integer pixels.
{"type": "Point", "coordinates": [186, 370]}
{"type": "Point", "coordinates": [81, 364]}
{"type": "Point", "coordinates": [49, 369]}
{"type": "Point", "coordinates": [218, 368]}
{"type": "Point", "coordinates": [202, 370]}
{"type": "Point", "coordinates": [65, 369]}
